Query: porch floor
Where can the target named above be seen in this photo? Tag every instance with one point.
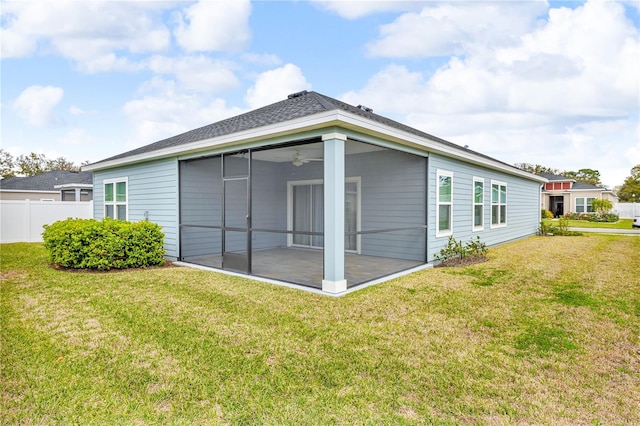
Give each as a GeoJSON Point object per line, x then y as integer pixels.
{"type": "Point", "coordinates": [305, 266]}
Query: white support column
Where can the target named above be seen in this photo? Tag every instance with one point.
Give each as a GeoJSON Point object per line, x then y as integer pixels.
{"type": "Point", "coordinates": [334, 152]}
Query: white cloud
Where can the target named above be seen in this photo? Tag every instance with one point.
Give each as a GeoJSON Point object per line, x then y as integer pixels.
{"type": "Point", "coordinates": [74, 110]}
{"type": "Point", "coordinates": [560, 94]}
{"type": "Point", "coordinates": [89, 32]}
{"type": "Point", "coordinates": [274, 85]}
{"type": "Point", "coordinates": [455, 28]}
{"type": "Point", "coordinates": [162, 111]}
{"type": "Point", "coordinates": [76, 137]}
{"type": "Point", "coordinates": [354, 9]}
{"type": "Point", "coordinates": [214, 26]}
{"type": "Point", "coordinates": [197, 73]}
{"type": "Point", "coordinates": [36, 103]}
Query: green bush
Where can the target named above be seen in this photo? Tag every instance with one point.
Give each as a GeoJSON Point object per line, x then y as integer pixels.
{"type": "Point", "coordinates": [548, 229]}
{"type": "Point", "coordinates": [104, 245]}
{"type": "Point", "coordinates": [457, 250]}
{"type": "Point", "coordinates": [546, 214]}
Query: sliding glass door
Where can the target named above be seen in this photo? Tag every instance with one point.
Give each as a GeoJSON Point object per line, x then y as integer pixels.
{"type": "Point", "coordinates": [306, 213]}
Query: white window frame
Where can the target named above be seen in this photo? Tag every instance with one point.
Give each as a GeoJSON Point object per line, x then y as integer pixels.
{"type": "Point", "coordinates": [290, 184]}
{"type": "Point", "coordinates": [115, 203]}
{"type": "Point", "coordinates": [446, 232]}
{"type": "Point", "coordinates": [585, 204]}
{"type": "Point", "coordinates": [474, 204]}
{"type": "Point", "coordinates": [501, 223]}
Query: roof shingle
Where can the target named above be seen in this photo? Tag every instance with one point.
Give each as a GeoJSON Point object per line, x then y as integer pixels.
{"type": "Point", "coordinates": [46, 181]}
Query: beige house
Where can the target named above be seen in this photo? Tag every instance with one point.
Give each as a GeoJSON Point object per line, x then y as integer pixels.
{"type": "Point", "coordinates": [56, 185]}
{"type": "Point", "coordinates": [562, 195]}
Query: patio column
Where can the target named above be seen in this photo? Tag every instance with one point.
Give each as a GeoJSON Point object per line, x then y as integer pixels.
{"type": "Point", "coordinates": [334, 281]}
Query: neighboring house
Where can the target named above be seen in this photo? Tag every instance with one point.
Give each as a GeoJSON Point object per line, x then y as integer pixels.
{"type": "Point", "coordinates": [562, 195]}
{"type": "Point", "coordinates": [56, 185]}
{"type": "Point", "coordinates": [315, 192]}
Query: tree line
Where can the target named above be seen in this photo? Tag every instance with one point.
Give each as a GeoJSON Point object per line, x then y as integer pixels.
{"type": "Point", "coordinates": [628, 192]}
{"type": "Point", "coordinates": [33, 164]}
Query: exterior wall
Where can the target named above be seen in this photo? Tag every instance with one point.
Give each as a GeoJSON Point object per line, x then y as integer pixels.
{"type": "Point", "coordinates": [584, 194]}
{"type": "Point", "coordinates": [152, 193]}
{"type": "Point", "coordinates": [30, 195]}
{"type": "Point", "coordinates": [523, 204]}
{"type": "Point", "coordinates": [393, 195]}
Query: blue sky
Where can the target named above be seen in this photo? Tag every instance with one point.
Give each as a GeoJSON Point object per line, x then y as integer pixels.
{"type": "Point", "coordinates": [551, 83]}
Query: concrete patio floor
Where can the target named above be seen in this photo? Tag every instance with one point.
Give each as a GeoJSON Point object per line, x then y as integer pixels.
{"type": "Point", "coordinates": [304, 266]}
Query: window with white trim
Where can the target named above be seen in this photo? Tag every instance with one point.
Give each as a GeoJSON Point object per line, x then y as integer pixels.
{"type": "Point", "coordinates": [478, 204]}
{"type": "Point", "coordinates": [584, 205]}
{"type": "Point", "coordinates": [444, 211]}
{"type": "Point", "coordinates": [116, 198]}
{"type": "Point", "coordinates": [498, 204]}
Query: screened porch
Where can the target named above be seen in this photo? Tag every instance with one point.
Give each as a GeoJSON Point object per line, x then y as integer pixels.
{"type": "Point", "coordinates": [263, 211]}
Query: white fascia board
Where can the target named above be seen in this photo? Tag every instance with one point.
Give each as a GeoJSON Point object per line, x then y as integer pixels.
{"type": "Point", "coordinates": [310, 122]}
{"type": "Point", "coordinates": [406, 138]}
{"type": "Point", "coordinates": [74, 185]}
{"type": "Point", "coordinates": [336, 118]}
{"type": "Point", "coordinates": [32, 191]}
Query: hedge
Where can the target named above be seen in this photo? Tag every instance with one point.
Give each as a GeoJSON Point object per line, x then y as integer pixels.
{"type": "Point", "coordinates": [103, 245]}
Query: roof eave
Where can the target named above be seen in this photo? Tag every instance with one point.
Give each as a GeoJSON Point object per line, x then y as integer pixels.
{"type": "Point", "coordinates": [330, 118]}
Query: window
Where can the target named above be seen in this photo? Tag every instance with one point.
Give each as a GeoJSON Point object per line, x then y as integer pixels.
{"type": "Point", "coordinates": [584, 205]}
{"type": "Point", "coordinates": [115, 199]}
{"type": "Point", "coordinates": [478, 204]}
{"type": "Point", "coordinates": [498, 204]}
{"type": "Point", "coordinates": [444, 213]}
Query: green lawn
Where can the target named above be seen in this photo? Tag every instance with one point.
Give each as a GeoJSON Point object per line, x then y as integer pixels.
{"type": "Point", "coordinates": [546, 332]}
{"type": "Point", "coordinates": [621, 224]}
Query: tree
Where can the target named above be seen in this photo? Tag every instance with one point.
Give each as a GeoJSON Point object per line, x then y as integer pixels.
{"type": "Point", "coordinates": [601, 206]}
{"type": "Point", "coordinates": [585, 175]}
{"type": "Point", "coordinates": [536, 169]}
{"type": "Point", "coordinates": [630, 190]}
{"type": "Point", "coordinates": [6, 164]}
{"type": "Point", "coordinates": [62, 163]}
{"type": "Point", "coordinates": [32, 164]}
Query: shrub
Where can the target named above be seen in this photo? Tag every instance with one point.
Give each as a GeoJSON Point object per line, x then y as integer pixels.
{"type": "Point", "coordinates": [601, 206]}
{"type": "Point", "coordinates": [547, 228]}
{"type": "Point", "coordinates": [455, 253]}
{"type": "Point", "coordinates": [546, 214]}
{"type": "Point", "coordinates": [104, 245]}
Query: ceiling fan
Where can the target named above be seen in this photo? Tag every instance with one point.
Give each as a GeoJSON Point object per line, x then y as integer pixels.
{"type": "Point", "coordinates": [299, 159]}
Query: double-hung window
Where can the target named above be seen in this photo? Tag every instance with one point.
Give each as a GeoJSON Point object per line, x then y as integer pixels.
{"type": "Point", "coordinates": [444, 213]}
{"type": "Point", "coordinates": [498, 204]}
{"type": "Point", "coordinates": [584, 205]}
{"type": "Point", "coordinates": [115, 198]}
{"type": "Point", "coordinates": [478, 204]}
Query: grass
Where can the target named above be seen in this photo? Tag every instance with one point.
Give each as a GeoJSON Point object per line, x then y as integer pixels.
{"type": "Point", "coordinates": [546, 332]}
{"type": "Point", "coordinates": [620, 224]}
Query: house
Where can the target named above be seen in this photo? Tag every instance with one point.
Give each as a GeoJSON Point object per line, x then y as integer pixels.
{"type": "Point", "coordinates": [55, 185]}
{"type": "Point", "coordinates": [562, 195]}
{"type": "Point", "coordinates": [317, 193]}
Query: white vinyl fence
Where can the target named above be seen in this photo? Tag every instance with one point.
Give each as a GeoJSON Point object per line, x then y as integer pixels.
{"type": "Point", "coordinates": [22, 220]}
{"type": "Point", "coordinates": [627, 210]}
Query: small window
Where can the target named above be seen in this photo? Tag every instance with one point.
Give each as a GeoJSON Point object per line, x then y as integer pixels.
{"type": "Point", "coordinates": [115, 199]}
{"type": "Point", "coordinates": [498, 204]}
{"type": "Point", "coordinates": [478, 204]}
{"type": "Point", "coordinates": [580, 205]}
{"type": "Point", "coordinates": [590, 205]}
{"type": "Point", "coordinates": [444, 213]}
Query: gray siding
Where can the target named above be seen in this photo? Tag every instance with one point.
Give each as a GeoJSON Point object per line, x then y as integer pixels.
{"type": "Point", "coordinates": [522, 204]}
{"type": "Point", "coordinates": [393, 195]}
{"type": "Point", "coordinates": [152, 189]}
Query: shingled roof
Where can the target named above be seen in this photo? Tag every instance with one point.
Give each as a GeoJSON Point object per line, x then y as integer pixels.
{"type": "Point", "coordinates": [46, 181]}
{"type": "Point", "coordinates": [297, 105]}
